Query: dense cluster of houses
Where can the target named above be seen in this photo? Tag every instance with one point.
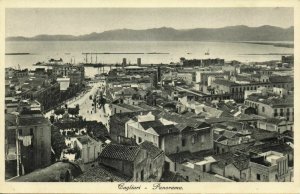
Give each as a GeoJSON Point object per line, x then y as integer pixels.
{"type": "Point", "coordinates": [200, 121]}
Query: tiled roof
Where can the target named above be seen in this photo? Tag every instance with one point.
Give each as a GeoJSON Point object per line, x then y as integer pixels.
{"type": "Point", "coordinates": [225, 82]}
{"type": "Point", "coordinates": [273, 101]}
{"type": "Point", "coordinates": [148, 124]}
{"type": "Point", "coordinates": [165, 129]}
{"type": "Point", "coordinates": [240, 161]}
{"type": "Point", "coordinates": [124, 117]}
{"type": "Point", "coordinates": [102, 174]}
{"type": "Point", "coordinates": [217, 120]}
{"type": "Point", "coordinates": [26, 121]}
{"type": "Point", "coordinates": [51, 173]}
{"type": "Point", "coordinates": [151, 149]}
{"type": "Point", "coordinates": [169, 176]}
{"type": "Point", "coordinates": [229, 134]}
{"type": "Point", "coordinates": [192, 122]}
{"type": "Point", "coordinates": [120, 152]}
{"type": "Point", "coordinates": [280, 79]}
{"type": "Point", "coordinates": [262, 135]}
{"type": "Point", "coordinates": [275, 121]}
{"type": "Point", "coordinates": [271, 146]}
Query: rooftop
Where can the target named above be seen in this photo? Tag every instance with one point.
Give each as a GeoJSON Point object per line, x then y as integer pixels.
{"type": "Point", "coordinates": [120, 152]}
{"type": "Point", "coordinates": [165, 129]}
{"type": "Point", "coordinates": [51, 173]}
{"type": "Point", "coordinates": [240, 161]}
{"type": "Point", "coordinates": [274, 146]}
{"type": "Point", "coordinates": [33, 120]}
{"type": "Point", "coordinates": [225, 82]}
{"type": "Point", "coordinates": [151, 149]}
{"type": "Point", "coordinates": [102, 173]}
{"type": "Point", "coordinates": [273, 100]}
{"type": "Point", "coordinates": [85, 139]}
{"type": "Point", "coordinates": [281, 79]}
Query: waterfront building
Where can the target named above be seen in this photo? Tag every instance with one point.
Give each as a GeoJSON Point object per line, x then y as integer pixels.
{"type": "Point", "coordinates": [48, 96]}
{"type": "Point", "coordinates": [237, 90]}
{"type": "Point", "coordinates": [74, 72]}
{"type": "Point", "coordinates": [202, 76]}
{"type": "Point", "coordinates": [64, 83]}
{"type": "Point", "coordinates": [139, 62]}
{"type": "Point", "coordinates": [288, 59]}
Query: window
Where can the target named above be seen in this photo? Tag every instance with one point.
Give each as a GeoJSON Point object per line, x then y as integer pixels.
{"type": "Point", "coordinates": [275, 113]}
{"type": "Point", "coordinates": [204, 168]}
{"type": "Point", "coordinates": [183, 142]}
{"type": "Point", "coordinates": [202, 138]}
{"type": "Point", "coordinates": [193, 139]}
{"type": "Point", "coordinates": [142, 175]}
{"type": "Point", "coordinates": [140, 140]}
{"type": "Point", "coordinates": [20, 131]}
{"type": "Point", "coordinates": [263, 109]}
{"type": "Point", "coordinates": [258, 177]}
{"type": "Point", "coordinates": [31, 131]}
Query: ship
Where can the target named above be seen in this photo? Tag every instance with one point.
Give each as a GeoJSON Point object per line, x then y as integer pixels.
{"type": "Point", "coordinates": [207, 52]}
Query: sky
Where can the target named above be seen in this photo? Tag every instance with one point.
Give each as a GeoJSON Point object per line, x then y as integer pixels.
{"type": "Point", "coordinates": [78, 21]}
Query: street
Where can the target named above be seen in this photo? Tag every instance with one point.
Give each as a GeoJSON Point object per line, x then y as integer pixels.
{"type": "Point", "coordinates": [86, 110]}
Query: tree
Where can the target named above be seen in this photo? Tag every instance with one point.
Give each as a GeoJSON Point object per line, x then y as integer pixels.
{"type": "Point", "coordinates": [73, 111]}
{"type": "Point", "coordinates": [57, 141]}
{"type": "Point", "coordinates": [52, 119]}
{"type": "Point", "coordinates": [59, 111]}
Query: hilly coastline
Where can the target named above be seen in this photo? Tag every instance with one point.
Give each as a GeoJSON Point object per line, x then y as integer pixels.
{"type": "Point", "coordinates": [231, 33]}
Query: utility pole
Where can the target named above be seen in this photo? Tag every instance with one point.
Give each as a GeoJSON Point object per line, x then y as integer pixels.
{"type": "Point", "coordinates": [18, 146]}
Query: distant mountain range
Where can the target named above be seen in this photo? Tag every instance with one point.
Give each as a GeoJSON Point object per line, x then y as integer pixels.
{"type": "Point", "coordinates": [230, 33]}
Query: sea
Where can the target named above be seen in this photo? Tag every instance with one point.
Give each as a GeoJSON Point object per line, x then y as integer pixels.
{"type": "Point", "coordinates": [150, 52]}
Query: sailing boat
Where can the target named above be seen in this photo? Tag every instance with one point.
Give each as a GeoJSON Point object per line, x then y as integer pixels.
{"type": "Point", "coordinates": [207, 52]}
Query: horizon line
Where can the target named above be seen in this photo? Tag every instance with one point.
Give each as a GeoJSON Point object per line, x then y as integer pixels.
{"type": "Point", "coordinates": [147, 29]}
